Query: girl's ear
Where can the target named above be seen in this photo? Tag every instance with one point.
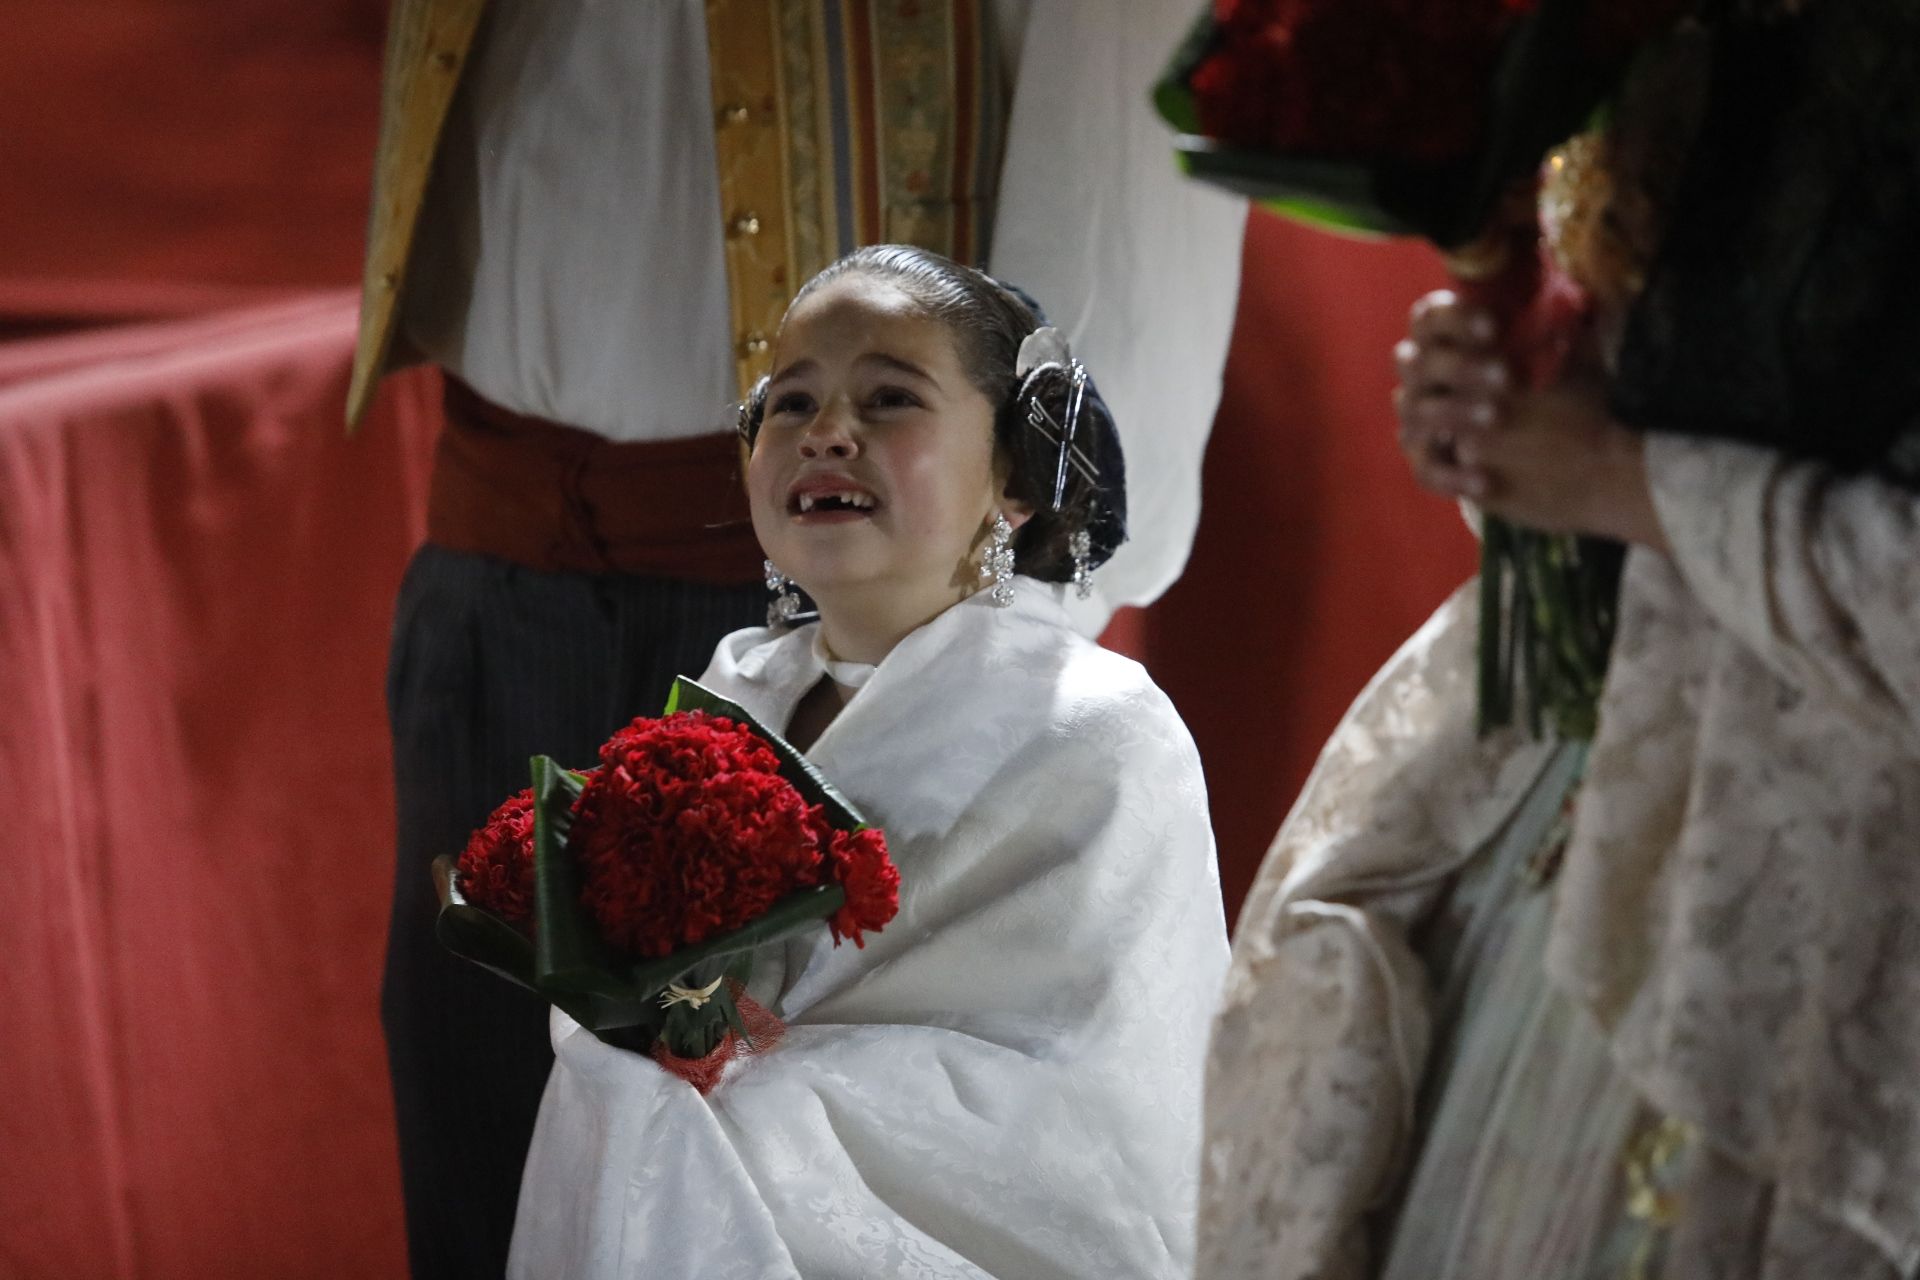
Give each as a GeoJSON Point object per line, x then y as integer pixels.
{"type": "Point", "coordinates": [1017, 510]}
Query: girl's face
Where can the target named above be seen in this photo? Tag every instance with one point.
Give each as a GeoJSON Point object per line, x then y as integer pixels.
{"type": "Point", "coordinates": [875, 465]}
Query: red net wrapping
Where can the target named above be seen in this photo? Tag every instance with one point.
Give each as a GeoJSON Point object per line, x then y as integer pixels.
{"type": "Point", "coordinates": [764, 1030]}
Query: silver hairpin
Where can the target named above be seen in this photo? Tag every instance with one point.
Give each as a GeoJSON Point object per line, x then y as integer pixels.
{"type": "Point", "coordinates": [743, 412]}
{"type": "Point", "coordinates": [1062, 434]}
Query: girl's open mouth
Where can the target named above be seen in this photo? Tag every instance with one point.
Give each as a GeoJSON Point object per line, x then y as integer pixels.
{"type": "Point", "coordinates": [829, 500]}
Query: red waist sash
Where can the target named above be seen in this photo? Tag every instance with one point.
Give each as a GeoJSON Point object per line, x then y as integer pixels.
{"type": "Point", "coordinates": [561, 499]}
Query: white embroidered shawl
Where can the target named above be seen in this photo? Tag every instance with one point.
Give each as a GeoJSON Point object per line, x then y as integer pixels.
{"type": "Point", "coordinates": [1005, 1082]}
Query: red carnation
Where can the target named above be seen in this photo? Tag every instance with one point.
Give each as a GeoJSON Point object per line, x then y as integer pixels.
{"type": "Point", "coordinates": [496, 867]}
{"type": "Point", "coordinates": [669, 863]}
{"type": "Point", "coordinates": [690, 746]}
{"type": "Point", "coordinates": [1352, 78]}
{"type": "Point", "coordinates": [859, 863]}
{"type": "Point", "coordinates": [689, 831]}
{"type": "Point", "coordinates": [1377, 79]}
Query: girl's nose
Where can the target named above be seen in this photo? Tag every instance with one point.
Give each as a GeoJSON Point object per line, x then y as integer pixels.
{"type": "Point", "coordinates": [828, 435]}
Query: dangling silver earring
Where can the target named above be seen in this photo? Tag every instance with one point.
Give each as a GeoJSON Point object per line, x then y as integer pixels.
{"type": "Point", "coordinates": [1080, 547]}
{"type": "Point", "coordinates": [996, 562]}
{"type": "Point", "coordinates": [786, 604]}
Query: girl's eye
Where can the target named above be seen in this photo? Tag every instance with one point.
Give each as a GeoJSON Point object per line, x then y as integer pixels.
{"type": "Point", "coordinates": [792, 402]}
{"type": "Point", "coordinates": [895, 398]}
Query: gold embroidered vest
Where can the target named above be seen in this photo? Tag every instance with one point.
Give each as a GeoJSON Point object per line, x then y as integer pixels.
{"type": "Point", "coordinates": [838, 123]}
{"type": "Point", "coordinates": [841, 123]}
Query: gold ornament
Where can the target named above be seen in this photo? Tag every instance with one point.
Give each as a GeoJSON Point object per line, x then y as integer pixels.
{"type": "Point", "coordinates": [1599, 225]}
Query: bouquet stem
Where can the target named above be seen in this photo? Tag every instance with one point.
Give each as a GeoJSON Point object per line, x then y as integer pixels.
{"type": "Point", "coordinates": [1547, 613]}
{"type": "Point", "coordinates": [1546, 600]}
{"type": "Point", "coordinates": [747, 1028]}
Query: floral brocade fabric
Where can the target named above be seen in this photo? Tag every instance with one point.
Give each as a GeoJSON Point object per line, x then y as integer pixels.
{"type": "Point", "coordinates": [1741, 894]}
{"type": "Point", "coordinates": [1735, 912]}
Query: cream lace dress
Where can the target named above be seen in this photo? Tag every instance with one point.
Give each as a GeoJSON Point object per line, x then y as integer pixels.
{"type": "Point", "coordinates": [1694, 1051]}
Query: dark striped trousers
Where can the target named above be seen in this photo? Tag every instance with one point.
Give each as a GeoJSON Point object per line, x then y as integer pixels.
{"type": "Point", "coordinates": [492, 663]}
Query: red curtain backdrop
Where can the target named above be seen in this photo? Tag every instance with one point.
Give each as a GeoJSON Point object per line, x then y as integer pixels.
{"type": "Point", "coordinates": [177, 149]}
{"type": "Point", "coordinates": [1316, 555]}
{"type": "Point", "coordinates": [197, 570]}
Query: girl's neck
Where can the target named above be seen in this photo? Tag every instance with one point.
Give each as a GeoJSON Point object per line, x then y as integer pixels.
{"type": "Point", "coordinates": [817, 709]}
{"type": "Point", "coordinates": [854, 632]}
{"type": "Point", "coordinates": [865, 626]}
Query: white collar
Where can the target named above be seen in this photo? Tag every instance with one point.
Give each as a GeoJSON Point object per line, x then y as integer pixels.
{"type": "Point", "coordinates": [848, 675]}
{"type": "Point", "coordinates": [768, 671]}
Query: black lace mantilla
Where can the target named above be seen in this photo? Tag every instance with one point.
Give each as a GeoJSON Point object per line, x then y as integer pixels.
{"type": "Point", "coordinates": [1784, 306]}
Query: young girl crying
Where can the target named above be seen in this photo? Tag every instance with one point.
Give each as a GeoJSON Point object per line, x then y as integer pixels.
{"type": "Point", "coordinates": [1005, 1081]}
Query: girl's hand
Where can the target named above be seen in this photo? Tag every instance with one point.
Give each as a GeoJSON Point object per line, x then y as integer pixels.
{"type": "Point", "coordinates": [1552, 459]}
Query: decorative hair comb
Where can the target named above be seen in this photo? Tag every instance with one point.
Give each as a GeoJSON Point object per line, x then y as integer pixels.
{"type": "Point", "coordinates": [1046, 346]}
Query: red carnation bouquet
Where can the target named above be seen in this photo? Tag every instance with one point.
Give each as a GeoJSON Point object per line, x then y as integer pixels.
{"type": "Point", "coordinates": [1401, 117]}
{"type": "Point", "coordinates": [1432, 118]}
{"type": "Point", "coordinates": [1394, 78]}
{"type": "Point", "coordinates": [633, 895]}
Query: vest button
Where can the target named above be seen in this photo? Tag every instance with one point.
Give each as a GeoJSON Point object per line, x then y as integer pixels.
{"type": "Point", "coordinates": [735, 113]}
{"type": "Point", "coordinates": [747, 224]}
{"type": "Point", "coordinates": [753, 344]}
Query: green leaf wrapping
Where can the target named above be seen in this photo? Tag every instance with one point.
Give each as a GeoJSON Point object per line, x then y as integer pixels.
{"type": "Point", "coordinates": [1172, 95]}
{"type": "Point", "coordinates": [568, 954]}
{"type": "Point", "coordinates": [492, 943]}
{"type": "Point", "coordinates": [1334, 195]}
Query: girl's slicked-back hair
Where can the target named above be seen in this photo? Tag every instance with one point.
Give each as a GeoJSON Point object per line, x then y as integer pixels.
{"type": "Point", "coordinates": [988, 321]}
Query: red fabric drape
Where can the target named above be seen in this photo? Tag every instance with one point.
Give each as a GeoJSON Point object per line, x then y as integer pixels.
{"type": "Point", "coordinates": [196, 576]}
{"type": "Point", "coordinates": [159, 147]}
{"type": "Point", "coordinates": [1316, 554]}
